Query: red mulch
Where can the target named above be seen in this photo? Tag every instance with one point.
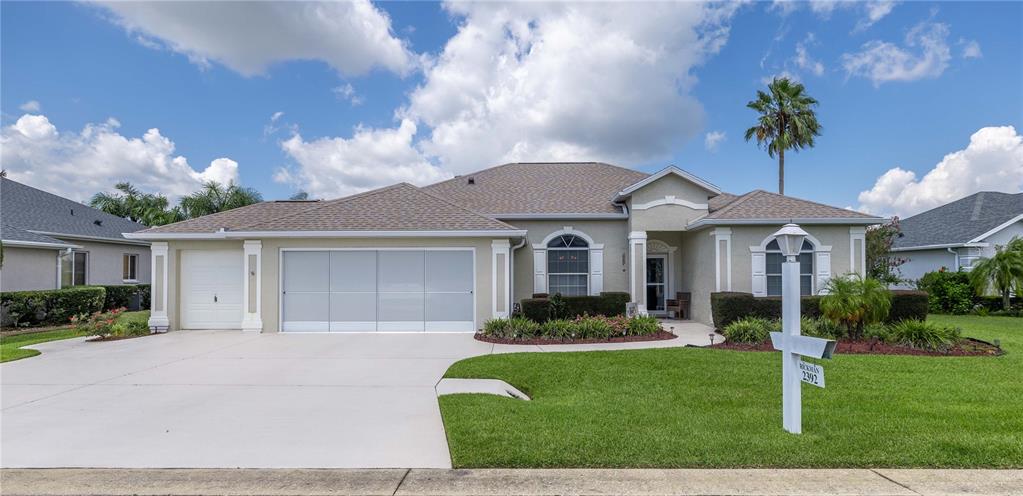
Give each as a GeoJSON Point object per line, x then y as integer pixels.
{"type": "Point", "coordinates": [660, 336]}
{"type": "Point", "coordinates": [965, 347]}
{"type": "Point", "coordinates": [101, 339]}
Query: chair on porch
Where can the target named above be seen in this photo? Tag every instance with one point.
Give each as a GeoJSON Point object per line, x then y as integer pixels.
{"type": "Point", "coordinates": [679, 307]}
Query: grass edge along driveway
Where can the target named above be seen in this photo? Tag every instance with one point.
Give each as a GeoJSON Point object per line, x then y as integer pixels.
{"type": "Point", "coordinates": [690, 407]}
{"type": "Point", "coordinates": [11, 347]}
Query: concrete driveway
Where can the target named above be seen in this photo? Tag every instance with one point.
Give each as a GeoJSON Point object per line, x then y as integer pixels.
{"type": "Point", "coordinates": [207, 399]}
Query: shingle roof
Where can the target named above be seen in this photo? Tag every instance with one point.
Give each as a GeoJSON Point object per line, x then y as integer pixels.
{"type": "Point", "coordinates": [760, 204]}
{"type": "Point", "coordinates": [31, 209]}
{"type": "Point", "coordinates": [540, 188]}
{"type": "Point", "coordinates": [15, 234]}
{"type": "Point", "coordinates": [960, 221]}
{"type": "Point", "coordinates": [401, 207]}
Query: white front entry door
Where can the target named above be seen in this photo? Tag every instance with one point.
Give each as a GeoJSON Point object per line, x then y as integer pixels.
{"type": "Point", "coordinates": [211, 289]}
{"type": "Point", "coordinates": [413, 290]}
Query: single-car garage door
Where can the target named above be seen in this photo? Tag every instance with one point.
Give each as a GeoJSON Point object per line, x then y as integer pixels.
{"type": "Point", "coordinates": [377, 290]}
{"type": "Point", "coordinates": [211, 289]}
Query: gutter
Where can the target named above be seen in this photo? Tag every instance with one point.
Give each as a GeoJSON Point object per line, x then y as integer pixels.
{"type": "Point", "coordinates": [511, 275]}
{"type": "Point", "coordinates": [37, 244]}
{"type": "Point", "coordinates": [222, 234]}
{"type": "Point", "coordinates": [91, 238]}
{"type": "Point", "coordinates": [867, 221]}
{"type": "Point", "coordinates": [940, 246]}
{"type": "Point", "coordinates": [955, 255]}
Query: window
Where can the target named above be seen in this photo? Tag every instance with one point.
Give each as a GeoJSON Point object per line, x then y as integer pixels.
{"type": "Point", "coordinates": [568, 266]}
{"type": "Point", "coordinates": [774, 261]}
{"type": "Point", "coordinates": [130, 267]}
{"type": "Point", "coordinates": [74, 268]}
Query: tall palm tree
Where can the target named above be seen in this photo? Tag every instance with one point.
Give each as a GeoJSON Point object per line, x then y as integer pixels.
{"type": "Point", "coordinates": [1003, 271]}
{"type": "Point", "coordinates": [130, 203]}
{"type": "Point", "coordinates": [215, 197]}
{"type": "Point", "coordinates": [787, 121]}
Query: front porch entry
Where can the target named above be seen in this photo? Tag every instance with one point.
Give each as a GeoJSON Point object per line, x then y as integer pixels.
{"type": "Point", "coordinates": [656, 283]}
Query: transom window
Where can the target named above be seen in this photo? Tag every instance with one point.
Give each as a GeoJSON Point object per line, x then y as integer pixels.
{"type": "Point", "coordinates": [773, 272]}
{"type": "Point", "coordinates": [568, 266]}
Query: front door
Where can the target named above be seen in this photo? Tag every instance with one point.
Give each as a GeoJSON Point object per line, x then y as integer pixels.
{"type": "Point", "coordinates": [656, 282]}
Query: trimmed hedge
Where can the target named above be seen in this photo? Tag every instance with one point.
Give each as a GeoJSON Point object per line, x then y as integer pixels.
{"type": "Point", "coordinates": [49, 307]}
{"type": "Point", "coordinates": [727, 307]}
{"type": "Point", "coordinates": [119, 296]}
{"type": "Point", "coordinates": [994, 303]}
{"type": "Point", "coordinates": [608, 304]}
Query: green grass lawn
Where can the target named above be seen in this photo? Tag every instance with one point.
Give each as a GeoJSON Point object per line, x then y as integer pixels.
{"type": "Point", "coordinates": [11, 346]}
{"type": "Point", "coordinates": [691, 407]}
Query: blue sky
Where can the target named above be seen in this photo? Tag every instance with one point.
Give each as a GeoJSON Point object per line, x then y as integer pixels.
{"type": "Point", "coordinates": [430, 90]}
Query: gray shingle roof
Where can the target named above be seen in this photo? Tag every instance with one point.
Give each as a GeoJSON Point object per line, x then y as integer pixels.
{"type": "Point", "coordinates": [15, 234]}
{"type": "Point", "coordinates": [30, 209]}
{"type": "Point", "coordinates": [959, 221]}
{"type": "Point", "coordinates": [540, 188]}
{"type": "Point", "coordinates": [760, 204]}
{"type": "Point", "coordinates": [234, 220]}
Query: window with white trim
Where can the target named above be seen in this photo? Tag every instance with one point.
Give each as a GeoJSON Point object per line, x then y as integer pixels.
{"type": "Point", "coordinates": [74, 268]}
{"type": "Point", "coordinates": [568, 265]}
{"type": "Point", "coordinates": [130, 267]}
{"type": "Point", "coordinates": [773, 268]}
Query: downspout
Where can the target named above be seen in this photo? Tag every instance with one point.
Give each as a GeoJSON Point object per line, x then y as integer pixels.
{"type": "Point", "coordinates": [955, 254]}
{"type": "Point", "coordinates": [511, 275]}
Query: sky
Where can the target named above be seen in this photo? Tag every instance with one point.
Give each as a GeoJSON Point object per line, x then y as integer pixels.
{"type": "Point", "coordinates": [921, 103]}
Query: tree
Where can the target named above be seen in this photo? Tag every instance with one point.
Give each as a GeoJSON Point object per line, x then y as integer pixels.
{"type": "Point", "coordinates": [300, 196]}
{"type": "Point", "coordinates": [787, 121]}
{"type": "Point", "coordinates": [855, 302]}
{"type": "Point", "coordinates": [215, 197]}
{"type": "Point", "coordinates": [1003, 271]}
{"type": "Point", "coordinates": [881, 264]}
{"type": "Point", "coordinates": [130, 203]}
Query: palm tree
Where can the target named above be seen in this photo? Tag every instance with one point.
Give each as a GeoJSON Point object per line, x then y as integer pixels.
{"type": "Point", "coordinates": [215, 197]}
{"type": "Point", "coordinates": [130, 203]}
{"type": "Point", "coordinates": [855, 302]}
{"type": "Point", "coordinates": [1003, 271]}
{"type": "Point", "coordinates": [787, 121]}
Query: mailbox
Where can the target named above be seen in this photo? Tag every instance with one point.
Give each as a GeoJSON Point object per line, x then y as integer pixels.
{"type": "Point", "coordinates": [803, 345]}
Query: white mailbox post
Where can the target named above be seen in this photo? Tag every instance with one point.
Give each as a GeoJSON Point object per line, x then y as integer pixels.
{"type": "Point", "coordinates": [793, 346]}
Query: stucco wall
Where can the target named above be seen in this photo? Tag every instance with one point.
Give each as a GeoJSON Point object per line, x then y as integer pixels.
{"type": "Point", "coordinates": [921, 262]}
{"type": "Point", "coordinates": [666, 217]}
{"type": "Point", "coordinates": [697, 261]}
{"type": "Point", "coordinates": [28, 269]}
{"type": "Point", "coordinates": [612, 233]}
{"type": "Point", "coordinates": [106, 261]}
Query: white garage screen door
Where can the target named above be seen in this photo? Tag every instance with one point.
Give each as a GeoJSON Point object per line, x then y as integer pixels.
{"type": "Point", "coordinates": [378, 290]}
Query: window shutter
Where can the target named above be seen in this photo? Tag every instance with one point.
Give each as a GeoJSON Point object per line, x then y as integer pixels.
{"type": "Point", "coordinates": [596, 271]}
{"type": "Point", "coordinates": [539, 271]}
{"type": "Point", "coordinates": [759, 273]}
{"type": "Point", "coordinates": [823, 266]}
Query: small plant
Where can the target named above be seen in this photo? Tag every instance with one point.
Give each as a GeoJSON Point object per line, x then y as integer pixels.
{"type": "Point", "coordinates": [923, 335]}
{"type": "Point", "coordinates": [130, 328]}
{"type": "Point", "coordinates": [558, 329]}
{"type": "Point", "coordinates": [523, 328]}
{"type": "Point", "coordinates": [820, 328]}
{"type": "Point", "coordinates": [497, 328]}
{"type": "Point", "coordinates": [751, 330]}
{"type": "Point", "coordinates": [876, 331]}
{"type": "Point", "coordinates": [556, 307]}
{"type": "Point", "coordinates": [98, 323]}
{"type": "Point", "coordinates": [855, 302]}
{"type": "Point", "coordinates": [644, 326]}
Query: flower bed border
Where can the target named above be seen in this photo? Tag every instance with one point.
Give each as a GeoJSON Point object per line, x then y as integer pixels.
{"type": "Point", "coordinates": [660, 336]}
{"type": "Point", "coordinates": [846, 347]}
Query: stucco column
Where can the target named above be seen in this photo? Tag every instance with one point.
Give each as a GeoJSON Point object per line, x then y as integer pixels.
{"type": "Point", "coordinates": [501, 277]}
{"type": "Point", "coordinates": [858, 250]}
{"type": "Point", "coordinates": [722, 258]}
{"type": "Point", "coordinates": [637, 269]}
{"type": "Point", "coordinates": [158, 321]}
{"type": "Point", "coordinates": [252, 284]}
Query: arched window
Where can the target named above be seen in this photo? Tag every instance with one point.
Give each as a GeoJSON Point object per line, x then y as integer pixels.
{"type": "Point", "coordinates": [568, 265]}
{"type": "Point", "coordinates": [773, 268]}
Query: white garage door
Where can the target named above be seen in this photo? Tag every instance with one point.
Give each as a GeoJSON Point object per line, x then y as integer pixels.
{"type": "Point", "coordinates": [211, 289]}
{"type": "Point", "coordinates": [377, 290]}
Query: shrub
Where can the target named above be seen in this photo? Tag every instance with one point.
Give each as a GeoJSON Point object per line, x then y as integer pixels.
{"type": "Point", "coordinates": [727, 307]}
{"type": "Point", "coordinates": [50, 307]}
{"type": "Point", "coordinates": [948, 292]}
{"type": "Point", "coordinates": [749, 330]}
{"type": "Point", "coordinates": [583, 327]}
{"type": "Point", "coordinates": [497, 328]}
{"type": "Point", "coordinates": [97, 323]}
{"type": "Point", "coordinates": [876, 331]}
{"type": "Point", "coordinates": [593, 328]}
{"type": "Point", "coordinates": [855, 301]}
{"type": "Point", "coordinates": [121, 295]}
{"type": "Point", "coordinates": [994, 303]}
{"type": "Point", "coordinates": [644, 326]}
{"type": "Point", "coordinates": [923, 335]}
{"type": "Point", "coordinates": [557, 329]}
{"type": "Point", "coordinates": [908, 304]}
{"type": "Point", "coordinates": [131, 324]}
{"type": "Point", "coordinates": [607, 304]}
{"type": "Point", "coordinates": [820, 328]}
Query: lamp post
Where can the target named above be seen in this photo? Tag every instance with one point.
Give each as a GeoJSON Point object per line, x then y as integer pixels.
{"type": "Point", "coordinates": [790, 240]}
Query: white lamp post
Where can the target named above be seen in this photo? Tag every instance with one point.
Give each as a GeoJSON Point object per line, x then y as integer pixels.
{"type": "Point", "coordinates": [790, 241]}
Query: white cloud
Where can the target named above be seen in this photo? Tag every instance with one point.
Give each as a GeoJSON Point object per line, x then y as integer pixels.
{"type": "Point", "coordinates": [713, 139]}
{"type": "Point", "coordinates": [78, 165]}
{"type": "Point", "coordinates": [875, 11]}
{"type": "Point", "coordinates": [353, 37]}
{"type": "Point", "coordinates": [333, 167]}
{"type": "Point", "coordinates": [926, 55]}
{"type": "Point", "coordinates": [31, 106]}
{"type": "Point", "coordinates": [971, 49]}
{"type": "Point", "coordinates": [993, 161]}
{"type": "Point", "coordinates": [872, 10]}
{"type": "Point", "coordinates": [346, 92]}
{"type": "Point", "coordinates": [804, 61]}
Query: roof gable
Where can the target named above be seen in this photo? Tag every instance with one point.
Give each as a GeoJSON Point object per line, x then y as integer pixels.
{"type": "Point", "coordinates": [31, 209]}
{"type": "Point", "coordinates": [670, 170]}
{"type": "Point", "coordinates": [760, 205]}
{"type": "Point", "coordinates": [961, 221]}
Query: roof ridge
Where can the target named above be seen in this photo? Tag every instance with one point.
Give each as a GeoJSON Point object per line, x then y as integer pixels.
{"type": "Point", "coordinates": [459, 176]}
{"type": "Point", "coordinates": [463, 207]}
{"type": "Point", "coordinates": [326, 204]}
{"type": "Point", "coordinates": [738, 199]}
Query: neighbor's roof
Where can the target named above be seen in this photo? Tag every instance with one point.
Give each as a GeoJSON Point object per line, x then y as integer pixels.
{"type": "Point", "coordinates": [14, 236]}
{"type": "Point", "coordinates": [540, 188]}
{"type": "Point", "coordinates": [961, 221]}
{"type": "Point", "coordinates": [401, 207]}
{"type": "Point", "coordinates": [27, 209]}
{"type": "Point", "coordinates": [760, 205]}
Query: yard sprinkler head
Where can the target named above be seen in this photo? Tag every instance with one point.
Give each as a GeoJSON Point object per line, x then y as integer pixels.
{"type": "Point", "coordinates": [711, 336]}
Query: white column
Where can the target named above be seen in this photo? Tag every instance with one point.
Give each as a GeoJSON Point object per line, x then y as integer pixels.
{"type": "Point", "coordinates": [858, 250]}
{"type": "Point", "coordinates": [722, 268]}
{"type": "Point", "coordinates": [501, 277]}
{"type": "Point", "coordinates": [252, 285]}
{"type": "Point", "coordinates": [637, 269]}
{"type": "Point", "coordinates": [158, 320]}
{"type": "Point", "coordinates": [791, 395]}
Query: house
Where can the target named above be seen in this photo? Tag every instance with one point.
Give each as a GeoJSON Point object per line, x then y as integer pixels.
{"type": "Point", "coordinates": [51, 242]}
{"type": "Point", "coordinates": [957, 234]}
{"type": "Point", "coordinates": [449, 256]}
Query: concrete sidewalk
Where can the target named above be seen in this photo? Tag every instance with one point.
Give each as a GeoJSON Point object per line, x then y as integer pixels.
{"type": "Point", "coordinates": [390, 482]}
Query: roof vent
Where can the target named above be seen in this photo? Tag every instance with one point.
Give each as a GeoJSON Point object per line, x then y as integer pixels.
{"type": "Point", "coordinates": [471, 180]}
{"type": "Point", "coordinates": [72, 211]}
{"type": "Point", "coordinates": [98, 222]}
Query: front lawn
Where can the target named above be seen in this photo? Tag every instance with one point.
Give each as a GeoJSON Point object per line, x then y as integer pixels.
{"type": "Point", "coordinates": [11, 346]}
{"type": "Point", "coordinates": [690, 407]}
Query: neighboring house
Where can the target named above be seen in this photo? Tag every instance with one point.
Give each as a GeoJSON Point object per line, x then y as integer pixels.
{"type": "Point", "coordinates": [957, 234]}
{"type": "Point", "coordinates": [51, 242]}
{"type": "Point", "coordinates": [449, 256]}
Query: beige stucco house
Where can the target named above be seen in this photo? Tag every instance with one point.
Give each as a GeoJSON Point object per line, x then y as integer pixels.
{"type": "Point", "coordinates": [449, 256]}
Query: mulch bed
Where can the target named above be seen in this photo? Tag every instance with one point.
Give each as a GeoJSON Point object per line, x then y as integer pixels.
{"type": "Point", "coordinates": [103, 339]}
{"type": "Point", "coordinates": [965, 347]}
{"type": "Point", "coordinates": [660, 336]}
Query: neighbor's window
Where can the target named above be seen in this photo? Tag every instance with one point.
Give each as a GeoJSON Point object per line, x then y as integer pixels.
{"type": "Point", "coordinates": [774, 261]}
{"type": "Point", "coordinates": [568, 266]}
{"type": "Point", "coordinates": [74, 268]}
{"type": "Point", "coordinates": [130, 267]}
